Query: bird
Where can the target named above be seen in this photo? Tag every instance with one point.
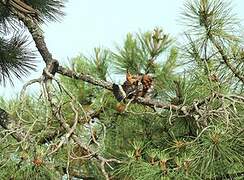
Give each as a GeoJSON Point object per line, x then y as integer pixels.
{"type": "Point", "coordinates": [147, 83]}
{"type": "Point", "coordinates": [135, 86]}
{"type": "Point", "coordinates": [119, 92]}
{"type": "Point", "coordinates": [127, 89]}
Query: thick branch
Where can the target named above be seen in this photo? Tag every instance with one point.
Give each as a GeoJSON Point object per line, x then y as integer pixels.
{"type": "Point", "coordinates": [47, 57]}
{"type": "Point", "coordinates": [156, 104]}
{"type": "Point", "coordinates": [84, 77]}
{"type": "Point", "coordinates": [107, 85]}
{"type": "Point", "coordinates": [37, 36]}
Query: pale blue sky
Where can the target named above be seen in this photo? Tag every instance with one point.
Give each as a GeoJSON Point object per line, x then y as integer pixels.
{"type": "Point", "coordinates": [104, 23]}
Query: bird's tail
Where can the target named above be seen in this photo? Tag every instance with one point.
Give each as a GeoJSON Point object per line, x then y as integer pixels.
{"type": "Point", "coordinates": [119, 92]}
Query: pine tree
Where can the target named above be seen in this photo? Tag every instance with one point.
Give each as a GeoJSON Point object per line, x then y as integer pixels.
{"type": "Point", "coordinates": [16, 58]}
{"type": "Point", "coordinates": [190, 127]}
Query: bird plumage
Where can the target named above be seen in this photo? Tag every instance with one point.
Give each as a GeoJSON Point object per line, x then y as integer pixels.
{"type": "Point", "coordinates": [134, 86]}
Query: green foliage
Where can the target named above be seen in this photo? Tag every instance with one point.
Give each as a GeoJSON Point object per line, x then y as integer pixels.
{"type": "Point", "coordinates": [130, 57]}
{"type": "Point", "coordinates": [206, 142]}
{"type": "Point", "coordinates": [47, 10]}
{"type": "Point", "coordinates": [212, 32]}
{"type": "Point", "coordinates": [96, 66]}
{"type": "Point", "coordinates": [207, 17]}
{"type": "Point", "coordinates": [16, 59]}
{"type": "Point", "coordinates": [50, 10]}
{"type": "Point", "coordinates": [5, 18]}
{"type": "Point", "coordinates": [140, 53]}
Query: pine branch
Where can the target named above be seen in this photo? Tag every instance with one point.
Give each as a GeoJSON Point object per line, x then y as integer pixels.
{"type": "Point", "coordinates": [11, 125]}
{"type": "Point", "coordinates": [85, 77]}
{"type": "Point", "coordinates": [107, 85]}
{"type": "Point", "coordinates": [38, 10]}
{"type": "Point", "coordinates": [189, 111]}
{"type": "Point", "coordinates": [235, 71]}
{"type": "Point", "coordinates": [17, 132]}
{"type": "Point", "coordinates": [37, 36]}
{"type": "Point", "coordinates": [52, 66]}
{"type": "Point", "coordinates": [15, 58]}
{"type": "Point", "coordinates": [56, 111]}
{"type": "Point", "coordinates": [52, 135]}
{"type": "Point", "coordinates": [48, 10]}
{"type": "Point", "coordinates": [76, 174]}
{"type": "Point", "coordinates": [47, 57]}
{"type": "Point", "coordinates": [228, 176]}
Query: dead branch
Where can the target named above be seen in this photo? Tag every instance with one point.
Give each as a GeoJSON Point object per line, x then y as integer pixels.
{"type": "Point", "coordinates": [84, 77]}
{"type": "Point", "coordinates": [70, 132]}
{"type": "Point", "coordinates": [52, 66]}
{"type": "Point", "coordinates": [38, 37]}
{"type": "Point", "coordinates": [11, 125]}
{"type": "Point", "coordinates": [56, 111]}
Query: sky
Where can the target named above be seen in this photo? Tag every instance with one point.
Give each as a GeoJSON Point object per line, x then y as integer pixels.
{"type": "Point", "coordinates": [105, 23]}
